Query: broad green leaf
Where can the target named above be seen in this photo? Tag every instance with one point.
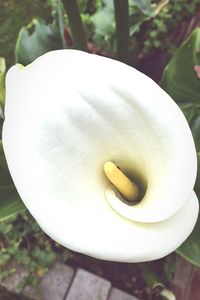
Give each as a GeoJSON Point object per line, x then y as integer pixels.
{"type": "Point", "coordinates": [190, 110]}
{"type": "Point", "coordinates": [103, 22]}
{"type": "Point", "coordinates": [1, 126]}
{"type": "Point", "coordinates": [181, 78]}
{"type": "Point", "coordinates": [197, 185]}
{"type": "Point", "coordinates": [103, 19]}
{"type": "Point", "coordinates": [36, 39]}
{"type": "Point", "coordinates": [190, 249]}
{"type": "Point", "coordinates": [2, 80]}
{"type": "Point", "coordinates": [10, 202]}
{"type": "Point", "coordinates": [196, 132]}
{"type": "Point", "coordinates": [196, 135]}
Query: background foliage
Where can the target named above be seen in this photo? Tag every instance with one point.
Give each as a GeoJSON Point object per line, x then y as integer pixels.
{"type": "Point", "coordinates": [181, 80]}
{"type": "Point", "coordinates": [13, 15]}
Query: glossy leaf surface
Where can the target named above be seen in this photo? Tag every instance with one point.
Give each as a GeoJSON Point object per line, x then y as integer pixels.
{"type": "Point", "coordinates": [181, 80]}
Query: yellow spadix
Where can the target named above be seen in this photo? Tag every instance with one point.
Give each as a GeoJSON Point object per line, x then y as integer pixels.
{"type": "Point", "coordinates": [128, 189]}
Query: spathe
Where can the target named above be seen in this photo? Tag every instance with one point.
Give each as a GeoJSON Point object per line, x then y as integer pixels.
{"type": "Point", "coordinates": [68, 113]}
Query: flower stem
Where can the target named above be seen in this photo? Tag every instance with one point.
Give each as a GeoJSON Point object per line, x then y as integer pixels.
{"type": "Point", "coordinates": [60, 23]}
{"type": "Point", "coordinates": [183, 278]}
{"type": "Point", "coordinates": [122, 29]}
{"type": "Point", "coordinates": [76, 25]}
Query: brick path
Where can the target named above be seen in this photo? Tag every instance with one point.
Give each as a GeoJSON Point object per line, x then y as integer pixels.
{"type": "Point", "coordinates": [65, 283]}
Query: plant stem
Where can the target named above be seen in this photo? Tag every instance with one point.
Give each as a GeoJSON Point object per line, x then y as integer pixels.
{"type": "Point", "coordinates": [122, 29]}
{"type": "Point", "coordinates": [60, 23]}
{"type": "Point", "coordinates": [183, 278]}
{"type": "Point", "coordinates": [76, 25]}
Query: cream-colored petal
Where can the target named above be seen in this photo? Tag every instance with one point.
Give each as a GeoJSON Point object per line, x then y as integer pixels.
{"type": "Point", "coordinates": [66, 115]}
{"type": "Point", "coordinates": [108, 236]}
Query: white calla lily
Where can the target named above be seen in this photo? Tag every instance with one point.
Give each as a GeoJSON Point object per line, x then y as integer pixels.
{"type": "Point", "coordinates": [70, 112]}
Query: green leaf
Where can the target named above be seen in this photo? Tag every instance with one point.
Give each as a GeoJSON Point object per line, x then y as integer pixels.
{"type": "Point", "coordinates": [103, 19]}
{"type": "Point", "coordinates": [1, 125]}
{"type": "Point", "coordinates": [180, 80]}
{"type": "Point", "coordinates": [190, 249]}
{"type": "Point", "coordinates": [197, 184]}
{"type": "Point", "coordinates": [103, 24]}
{"type": "Point", "coordinates": [190, 110]}
{"type": "Point", "coordinates": [144, 12]}
{"type": "Point", "coordinates": [36, 39]}
{"type": "Point", "coordinates": [144, 6]}
{"type": "Point", "coordinates": [196, 132]}
{"type": "Point", "coordinates": [150, 277]}
{"type": "Point", "coordinates": [136, 21]}
{"type": "Point", "coordinates": [2, 80]}
{"type": "Point", "coordinates": [10, 202]}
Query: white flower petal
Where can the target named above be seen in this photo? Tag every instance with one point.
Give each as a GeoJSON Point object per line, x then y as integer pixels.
{"type": "Point", "coordinates": [110, 237]}
{"type": "Point", "coordinates": [66, 115]}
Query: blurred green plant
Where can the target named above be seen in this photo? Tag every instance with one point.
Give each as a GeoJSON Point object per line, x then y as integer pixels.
{"type": "Point", "coordinates": [100, 27]}
{"type": "Point", "coordinates": [13, 15]}
{"type": "Point", "coordinates": [98, 18]}
{"type": "Point", "coordinates": [23, 241]}
{"type": "Point", "coordinates": [103, 22]}
{"type": "Point", "coordinates": [181, 80]}
{"type": "Point", "coordinates": [157, 30]}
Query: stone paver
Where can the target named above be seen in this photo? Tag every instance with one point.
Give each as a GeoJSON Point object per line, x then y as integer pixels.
{"type": "Point", "coordinates": [64, 283]}
{"type": "Point", "coordinates": [117, 294]}
{"type": "Point", "coordinates": [87, 286]}
{"type": "Point", "coordinates": [55, 284]}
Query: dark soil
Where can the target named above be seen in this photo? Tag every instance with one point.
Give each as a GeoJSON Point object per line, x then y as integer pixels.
{"type": "Point", "coordinates": [6, 295]}
{"type": "Point", "coordinates": [125, 276]}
